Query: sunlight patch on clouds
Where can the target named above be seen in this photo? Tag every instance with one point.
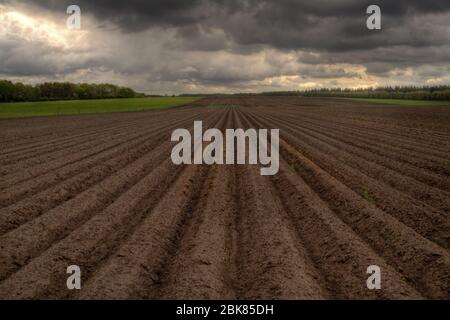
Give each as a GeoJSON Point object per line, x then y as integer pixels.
{"type": "Point", "coordinates": [437, 81]}
{"type": "Point", "coordinates": [38, 29]}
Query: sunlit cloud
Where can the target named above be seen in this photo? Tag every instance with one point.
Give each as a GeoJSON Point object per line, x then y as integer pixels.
{"type": "Point", "coordinates": [39, 29]}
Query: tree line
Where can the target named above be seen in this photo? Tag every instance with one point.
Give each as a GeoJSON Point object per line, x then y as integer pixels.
{"type": "Point", "coordinates": [399, 92]}
{"type": "Point", "coordinates": [15, 92]}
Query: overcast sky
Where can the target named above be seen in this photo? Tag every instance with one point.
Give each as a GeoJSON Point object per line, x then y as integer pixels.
{"type": "Point", "coordinates": [181, 46]}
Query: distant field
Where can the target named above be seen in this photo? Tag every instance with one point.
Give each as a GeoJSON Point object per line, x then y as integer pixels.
{"type": "Point", "coordinates": [52, 108]}
{"type": "Point", "coordinates": [403, 102]}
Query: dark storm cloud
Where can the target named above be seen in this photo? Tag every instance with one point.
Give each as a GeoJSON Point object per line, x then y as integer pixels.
{"type": "Point", "coordinates": [232, 43]}
{"type": "Point", "coordinates": [22, 59]}
{"type": "Point", "coordinates": [289, 24]}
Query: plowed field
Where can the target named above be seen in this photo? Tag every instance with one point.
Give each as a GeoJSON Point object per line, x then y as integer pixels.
{"type": "Point", "coordinates": [358, 185]}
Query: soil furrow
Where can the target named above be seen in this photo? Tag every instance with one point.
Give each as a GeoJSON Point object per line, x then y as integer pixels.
{"type": "Point", "coordinates": [273, 263]}
{"type": "Point", "coordinates": [421, 261]}
{"type": "Point", "coordinates": [139, 262]}
{"type": "Point", "coordinates": [377, 169]}
{"type": "Point", "coordinates": [367, 153]}
{"type": "Point", "coordinates": [53, 154]}
{"type": "Point", "coordinates": [127, 141]}
{"type": "Point", "coordinates": [365, 119]}
{"type": "Point", "coordinates": [341, 255]}
{"type": "Point", "coordinates": [417, 215]}
{"type": "Point", "coordinates": [429, 160]}
{"type": "Point", "coordinates": [358, 185]}
{"type": "Point", "coordinates": [199, 268]}
{"type": "Point", "coordinates": [33, 237]}
{"type": "Point", "coordinates": [92, 242]}
{"type": "Point", "coordinates": [84, 168]}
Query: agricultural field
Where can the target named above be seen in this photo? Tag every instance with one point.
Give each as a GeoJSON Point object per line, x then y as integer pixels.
{"type": "Point", "coordinates": [67, 107]}
{"type": "Point", "coordinates": [358, 185]}
{"type": "Point", "coordinates": [402, 102]}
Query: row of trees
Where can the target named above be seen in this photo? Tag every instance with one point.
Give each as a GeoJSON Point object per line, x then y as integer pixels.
{"type": "Point", "coordinates": [12, 92]}
{"type": "Point", "coordinates": [408, 92]}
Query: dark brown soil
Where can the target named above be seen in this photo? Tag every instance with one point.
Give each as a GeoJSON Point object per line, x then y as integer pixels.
{"type": "Point", "coordinates": [358, 185]}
